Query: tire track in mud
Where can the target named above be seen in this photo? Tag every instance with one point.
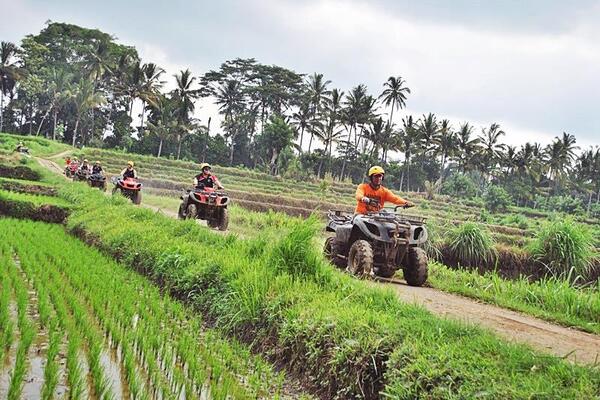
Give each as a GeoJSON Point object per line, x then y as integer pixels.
{"type": "Point", "coordinates": [574, 345]}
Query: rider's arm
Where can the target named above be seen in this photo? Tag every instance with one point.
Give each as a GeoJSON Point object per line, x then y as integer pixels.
{"type": "Point", "coordinates": [392, 198]}
{"type": "Point", "coordinates": [135, 175]}
{"type": "Point", "coordinates": [216, 180]}
{"type": "Point", "coordinates": [123, 172]}
{"type": "Point", "coordinates": [195, 181]}
{"type": "Point", "coordinates": [360, 193]}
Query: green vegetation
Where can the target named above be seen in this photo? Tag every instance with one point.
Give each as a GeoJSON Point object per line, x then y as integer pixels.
{"type": "Point", "coordinates": [564, 247]}
{"type": "Point", "coordinates": [471, 244]}
{"type": "Point", "coordinates": [496, 199]}
{"type": "Point", "coordinates": [96, 305]}
{"type": "Point", "coordinates": [288, 303]}
{"type": "Point", "coordinates": [38, 146]}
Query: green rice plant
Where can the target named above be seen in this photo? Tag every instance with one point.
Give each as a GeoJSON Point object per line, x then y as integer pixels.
{"type": "Point", "coordinates": [471, 244]}
{"type": "Point", "coordinates": [517, 220]}
{"type": "Point", "coordinates": [51, 367]}
{"type": "Point", "coordinates": [564, 247]}
{"type": "Point", "coordinates": [20, 369]}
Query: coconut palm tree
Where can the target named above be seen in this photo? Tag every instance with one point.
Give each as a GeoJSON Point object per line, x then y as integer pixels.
{"type": "Point", "coordinates": [165, 125]}
{"type": "Point", "coordinates": [394, 95]}
{"type": "Point", "coordinates": [317, 90]}
{"type": "Point", "coordinates": [302, 120]}
{"type": "Point", "coordinates": [466, 146]}
{"type": "Point", "coordinates": [429, 130]}
{"type": "Point", "coordinates": [408, 139]}
{"type": "Point", "coordinates": [445, 143]}
{"type": "Point", "coordinates": [492, 148]}
{"type": "Point", "coordinates": [185, 95]}
{"type": "Point", "coordinates": [84, 99]}
{"type": "Point", "coordinates": [330, 133]}
{"type": "Point", "coordinates": [9, 74]}
{"type": "Point", "coordinates": [231, 102]}
{"type": "Point", "coordinates": [352, 115]}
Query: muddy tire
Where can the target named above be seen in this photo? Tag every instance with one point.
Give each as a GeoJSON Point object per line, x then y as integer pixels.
{"type": "Point", "coordinates": [115, 190]}
{"type": "Point", "coordinates": [330, 253]}
{"type": "Point", "coordinates": [104, 186]}
{"type": "Point", "coordinates": [415, 268]}
{"type": "Point", "coordinates": [223, 220]}
{"type": "Point", "coordinates": [192, 211]}
{"type": "Point", "coordinates": [360, 259]}
{"type": "Point", "coordinates": [136, 198]}
{"type": "Point", "coordinates": [180, 212]}
{"type": "Point", "coordinates": [386, 272]}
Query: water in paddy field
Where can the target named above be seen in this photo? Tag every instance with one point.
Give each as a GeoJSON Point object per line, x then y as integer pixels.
{"type": "Point", "coordinates": [10, 355]}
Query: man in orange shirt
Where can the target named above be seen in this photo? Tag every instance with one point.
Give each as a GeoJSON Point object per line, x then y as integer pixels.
{"type": "Point", "coordinates": [372, 196]}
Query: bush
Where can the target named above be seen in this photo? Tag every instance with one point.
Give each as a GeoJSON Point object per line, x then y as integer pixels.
{"type": "Point", "coordinates": [471, 244]}
{"type": "Point", "coordinates": [517, 220]}
{"type": "Point", "coordinates": [565, 247]}
{"type": "Point", "coordinates": [496, 199]}
{"type": "Point", "coordinates": [459, 185]}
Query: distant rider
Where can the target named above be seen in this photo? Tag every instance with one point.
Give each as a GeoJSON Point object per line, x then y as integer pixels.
{"type": "Point", "coordinates": [205, 179]}
{"type": "Point", "coordinates": [371, 197]}
{"type": "Point", "coordinates": [97, 168]}
{"type": "Point", "coordinates": [85, 166]}
{"type": "Point", "coordinates": [129, 172]}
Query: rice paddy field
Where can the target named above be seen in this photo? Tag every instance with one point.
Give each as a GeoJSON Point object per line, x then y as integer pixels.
{"type": "Point", "coordinates": [125, 302]}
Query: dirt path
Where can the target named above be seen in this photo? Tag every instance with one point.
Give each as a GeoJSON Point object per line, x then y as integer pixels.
{"type": "Point", "coordinates": [577, 346]}
{"type": "Point", "coordinates": [544, 336]}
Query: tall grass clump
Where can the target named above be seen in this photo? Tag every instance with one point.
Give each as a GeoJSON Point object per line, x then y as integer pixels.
{"type": "Point", "coordinates": [471, 244]}
{"type": "Point", "coordinates": [564, 247]}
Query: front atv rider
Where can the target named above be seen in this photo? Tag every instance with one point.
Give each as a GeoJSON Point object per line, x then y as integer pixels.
{"type": "Point", "coordinates": [205, 179]}
{"type": "Point", "coordinates": [97, 168]}
{"type": "Point", "coordinates": [371, 196]}
{"type": "Point", "coordinates": [129, 172]}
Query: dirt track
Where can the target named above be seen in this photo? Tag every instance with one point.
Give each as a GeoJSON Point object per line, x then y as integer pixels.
{"type": "Point", "coordinates": [577, 346]}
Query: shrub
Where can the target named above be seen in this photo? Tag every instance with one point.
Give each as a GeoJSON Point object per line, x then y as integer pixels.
{"type": "Point", "coordinates": [516, 220]}
{"type": "Point", "coordinates": [496, 199]}
{"type": "Point", "coordinates": [459, 185]}
{"type": "Point", "coordinates": [471, 244]}
{"type": "Point", "coordinates": [565, 247]}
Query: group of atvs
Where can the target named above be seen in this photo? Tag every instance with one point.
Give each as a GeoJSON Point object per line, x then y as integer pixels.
{"type": "Point", "coordinates": [374, 244]}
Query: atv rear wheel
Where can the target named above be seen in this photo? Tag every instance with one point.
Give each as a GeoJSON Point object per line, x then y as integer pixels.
{"type": "Point", "coordinates": [115, 190]}
{"type": "Point", "coordinates": [180, 213]}
{"type": "Point", "coordinates": [223, 220]}
{"type": "Point", "coordinates": [415, 268]}
{"type": "Point", "coordinates": [330, 252]}
{"type": "Point", "coordinates": [192, 211]}
{"type": "Point", "coordinates": [360, 259]}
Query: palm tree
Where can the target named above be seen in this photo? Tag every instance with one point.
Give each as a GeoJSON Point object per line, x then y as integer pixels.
{"type": "Point", "coordinates": [84, 99]}
{"type": "Point", "coordinates": [166, 125]}
{"type": "Point", "coordinates": [58, 92]}
{"type": "Point", "coordinates": [330, 134]}
{"type": "Point", "coordinates": [9, 74]}
{"type": "Point", "coordinates": [446, 144]}
{"type": "Point", "coordinates": [302, 120]}
{"type": "Point", "coordinates": [353, 106]}
{"type": "Point", "coordinates": [408, 138]}
{"type": "Point", "coordinates": [394, 94]}
{"type": "Point", "coordinates": [492, 148]}
{"type": "Point", "coordinates": [151, 88]}
{"type": "Point", "coordinates": [429, 130]}
{"type": "Point", "coordinates": [231, 101]}
{"type": "Point", "coordinates": [317, 91]}
{"type": "Point", "coordinates": [184, 95]}
{"type": "Point", "coordinates": [466, 145]}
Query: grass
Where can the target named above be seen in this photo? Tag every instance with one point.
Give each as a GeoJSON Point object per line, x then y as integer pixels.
{"type": "Point", "coordinates": [307, 315]}
{"type": "Point", "coordinates": [470, 244]}
{"type": "Point", "coordinates": [38, 146]}
{"type": "Point", "coordinates": [564, 247]}
{"type": "Point", "coordinates": [94, 303]}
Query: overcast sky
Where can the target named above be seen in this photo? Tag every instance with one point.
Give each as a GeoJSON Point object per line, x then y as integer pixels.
{"type": "Point", "coordinates": [531, 65]}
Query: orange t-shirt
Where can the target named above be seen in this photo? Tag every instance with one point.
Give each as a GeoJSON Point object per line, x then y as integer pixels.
{"type": "Point", "coordinates": [382, 195]}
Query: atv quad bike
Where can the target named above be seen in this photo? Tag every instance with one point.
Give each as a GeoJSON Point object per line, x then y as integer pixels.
{"type": "Point", "coordinates": [97, 181]}
{"type": "Point", "coordinates": [80, 175]}
{"type": "Point", "coordinates": [207, 204]}
{"type": "Point", "coordinates": [71, 169]}
{"type": "Point", "coordinates": [378, 244]}
{"type": "Point", "coordinates": [129, 188]}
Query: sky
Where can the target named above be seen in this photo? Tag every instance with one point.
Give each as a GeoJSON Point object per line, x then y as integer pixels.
{"type": "Point", "coordinates": [533, 66]}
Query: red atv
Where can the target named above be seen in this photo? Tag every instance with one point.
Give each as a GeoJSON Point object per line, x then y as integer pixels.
{"type": "Point", "coordinates": [207, 204]}
{"type": "Point", "coordinates": [71, 169]}
{"type": "Point", "coordinates": [80, 175]}
{"type": "Point", "coordinates": [129, 188]}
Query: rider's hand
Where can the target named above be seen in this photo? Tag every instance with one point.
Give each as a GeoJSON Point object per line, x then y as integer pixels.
{"type": "Point", "coordinates": [365, 200]}
{"type": "Point", "coordinates": [409, 204]}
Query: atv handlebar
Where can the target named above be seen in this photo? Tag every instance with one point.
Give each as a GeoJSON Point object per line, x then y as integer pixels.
{"type": "Point", "coordinates": [407, 205]}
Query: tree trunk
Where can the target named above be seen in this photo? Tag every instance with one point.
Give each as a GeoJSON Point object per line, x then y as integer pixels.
{"type": "Point", "coordinates": [231, 151]}
{"type": "Point", "coordinates": [179, 148]}
{"type": "Point", "coordinates": [301, 137]}
{"type": "Point", "coordinates": [407, 160]}
{"type": "Point", "coordinates": [1, 109]}
{"type": "Point", "coordinates": [54, 125]}
{"type": "Point", "coordinates": [75, 130]}
{"type": "Point", "coordinates": [159, 148]}
{"type": "Point", "coordinates": [42, 123]}
{"type": "Point", "coordinates": [310, 142]}
{"type": "Point", "coordinates": [142, 122]}
{"type": "Point", "coordinates": [273, 162]}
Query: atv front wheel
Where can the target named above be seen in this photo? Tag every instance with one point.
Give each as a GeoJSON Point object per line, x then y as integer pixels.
{"type": "Point", "coordinates": [180, 213]}
{"type": "Point", "coordinates": [330, 253]}
{"type": "Point", "coordinates": [415, 268]}
{"type": "Point", "coordinates": [192, 211]}
{"type": "Point", "coordinates": [137, 198]}
{"type": "Point", "coordinates": [360, 259]}
{"type": "Point", "coordinates": [224, 220]}
{"type": "Point", "coordinates": [386, 271]}
{"type": "Point", "coordinates": [115, 189]}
